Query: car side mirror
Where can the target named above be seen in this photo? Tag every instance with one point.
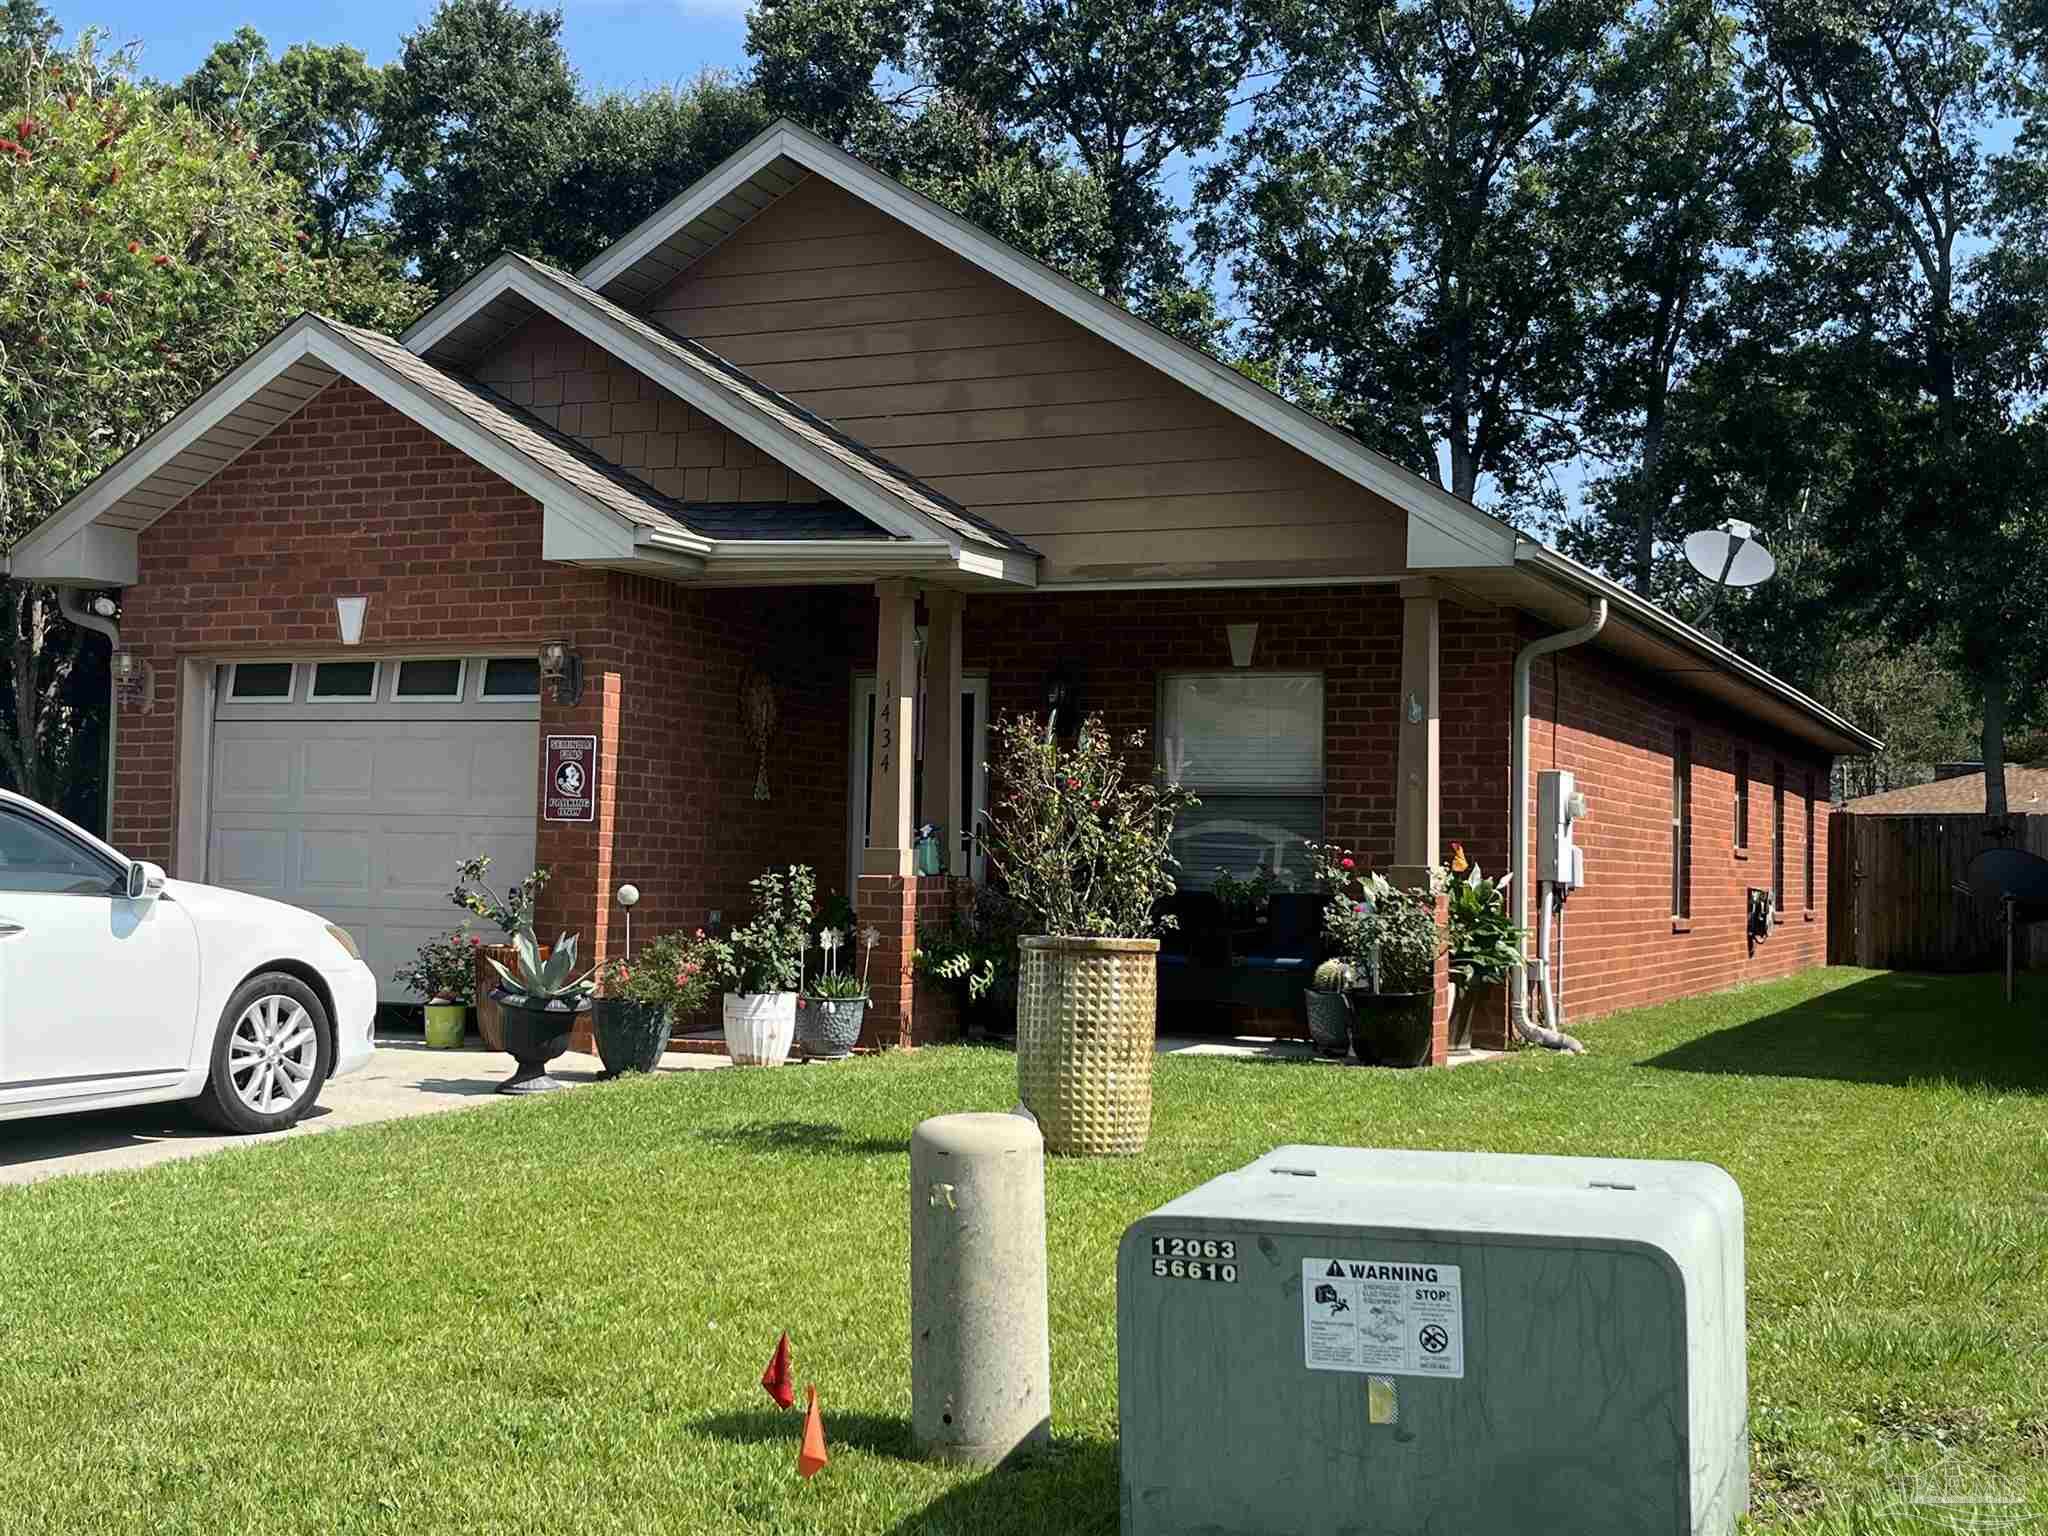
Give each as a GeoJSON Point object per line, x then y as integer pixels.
{"type": "Point", "coordinates": [145, 881]}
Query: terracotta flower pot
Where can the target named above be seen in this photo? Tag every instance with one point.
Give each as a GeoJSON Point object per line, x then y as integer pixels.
{"type": "Point", "coordinates": [1086, 1017]}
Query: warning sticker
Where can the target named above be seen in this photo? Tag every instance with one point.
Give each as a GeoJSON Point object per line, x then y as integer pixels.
{"type": "Point", "coordinates": [1382, 1318]}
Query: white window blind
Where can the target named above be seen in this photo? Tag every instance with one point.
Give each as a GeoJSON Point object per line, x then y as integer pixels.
{"type": "Point", "coordinates": [1250, 744]}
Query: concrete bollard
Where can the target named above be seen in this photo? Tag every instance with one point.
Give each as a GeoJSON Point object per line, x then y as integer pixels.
{"type": "Point", "coordinates": [980, 1354]}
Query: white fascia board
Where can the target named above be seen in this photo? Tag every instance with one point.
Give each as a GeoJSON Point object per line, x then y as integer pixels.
{"type": "Point", "coordinates": [94, 556]}
{"type": "Point", "coordinates": [682, 210]}
{"type": "Point", "coordinates": [1482, 539]}
{"type": "Point", "coordinates": [569, 532]}
{"type": "Point", "coordinates": [1562, 571]}
{"type": "Point", "coordinates": [1005, 565]}
{"type": "Point", "coordinates": [425, 333]}
{"type": "Point", "coordinates": [1432, 547]}
{"type": "Point", "coordinates": [165, 444]}
{"type": "Point", "coordinates": [721, 405]}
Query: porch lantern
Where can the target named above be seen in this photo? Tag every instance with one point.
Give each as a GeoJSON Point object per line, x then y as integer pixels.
{"type": "Point", "coordinates": [348, 616]}
{"type": "Point", "coordinates": [563, 668]}
{"type": "Point", "coordinates": [1063, 695]}
{"type": "Point", "coordinates": [132, 680]}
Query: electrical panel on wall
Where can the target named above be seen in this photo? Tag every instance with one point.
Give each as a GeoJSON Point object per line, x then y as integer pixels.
{"type": "Point", "coordinates": [1559, 806]}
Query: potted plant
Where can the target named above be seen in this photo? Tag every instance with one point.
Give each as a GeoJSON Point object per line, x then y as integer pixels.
{"type": "Point", "coordinates": [975, 950]}
{"type": "Point", "coordinates": [1243, 902]}
{"type": "Point", "coordinates": [1391, 939]}
{"type": "Point", "coordinates": [443, 976]}
{"type": "Point", "coordinates": [509, 914]}
{"type": "Point", "coordinates": [1485, 945]}
{"type": "Point", "coordinates": [539, 1004]}
{"type": "Point", "coordinates": [1329, 1009]}
{"type": "Point", "coordinates": [638, 998]}
{"type": "Point", "coordinates": [760, 966]}
{"type": "Point", "coordinates": [834, 1001]}
{"type": "Point", "coordinates": [1086, 855]}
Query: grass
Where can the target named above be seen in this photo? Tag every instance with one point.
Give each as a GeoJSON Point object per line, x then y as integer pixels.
{"type": "Point", "coordinates": [550, 1316]}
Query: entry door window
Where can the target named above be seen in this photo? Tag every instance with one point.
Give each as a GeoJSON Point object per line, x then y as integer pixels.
{"type": "Point", "coordinates": [1250, 745]}
{"type": "Point", "coordinates": [973, 717]}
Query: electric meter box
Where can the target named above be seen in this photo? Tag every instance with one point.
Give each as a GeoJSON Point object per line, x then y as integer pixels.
{"type": "Point", "coordinates": [1389, 1343]}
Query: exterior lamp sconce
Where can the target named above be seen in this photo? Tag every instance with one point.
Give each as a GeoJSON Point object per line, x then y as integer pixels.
{"type": "Point", "coordinates": [1242, 638]}
{"type": "Point", "coordinates": [132, 681]}
{"type": "Point", "coordinates": [348, 616]}
{"type": "Point", "coordinates": [563, 668]}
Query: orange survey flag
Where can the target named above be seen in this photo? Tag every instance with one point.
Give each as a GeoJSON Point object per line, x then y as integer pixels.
{"type": "Point", "coordinates": [776, 1380]}
{"type": "Point", "coordinates": [811, 1458]}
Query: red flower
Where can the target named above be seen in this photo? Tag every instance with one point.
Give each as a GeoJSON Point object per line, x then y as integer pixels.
{"type": "Point", "coordinates": [81, 285]}
{"type": "Point", "coordinates": [1347, 864]}
{"type": "Point", "coordinates": [106, 297]}
{"type": "Point", "coordinates": [134, 247]}
{"type": "Point", "coordinates": [161, 260]}
{"type": "Point", "coordinates": [26, 128]}
{"type": "Point", "coordinates": [8, 146]}
{"type": "Point", "coordinates": [1073, 783]}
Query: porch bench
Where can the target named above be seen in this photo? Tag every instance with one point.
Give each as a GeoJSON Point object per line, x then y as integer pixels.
{"type": "Point", "coordinates": [1199, 963]}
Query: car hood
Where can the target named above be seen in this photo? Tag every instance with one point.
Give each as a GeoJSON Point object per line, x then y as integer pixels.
{"type": "Point", "coordinates": [213, 902]}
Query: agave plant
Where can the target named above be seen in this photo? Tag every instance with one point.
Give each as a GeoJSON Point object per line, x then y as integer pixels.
{"type": "Point", "coordinates": [548, 983]}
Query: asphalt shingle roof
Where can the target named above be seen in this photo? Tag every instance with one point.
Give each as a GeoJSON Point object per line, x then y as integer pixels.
{"type": "Point", "coordinates": [2026, 789]}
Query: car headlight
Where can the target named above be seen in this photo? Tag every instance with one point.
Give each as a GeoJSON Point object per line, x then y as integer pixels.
{"type": "Point", "coordinates": [341, 937]}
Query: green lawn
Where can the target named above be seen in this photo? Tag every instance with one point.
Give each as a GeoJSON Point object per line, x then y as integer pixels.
{"type": "Point", "coordinates": [550, 1316]}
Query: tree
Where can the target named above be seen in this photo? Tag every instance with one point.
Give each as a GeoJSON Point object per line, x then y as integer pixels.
{"type": "Point", "coordinates": [144, 251]}
{"type": "Point", "coordinates": [1390, 217]}
{"type": "Point", "coordinates": [1947, 528]}
{"type": "Point", "coordinates": [315, 112]}
{"type": "Point", "coordinates": [481, 117]}
{"type": "Point", "coordinates": [1125, 86]}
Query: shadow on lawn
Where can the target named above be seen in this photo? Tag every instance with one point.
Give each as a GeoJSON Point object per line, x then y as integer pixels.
{"type": "Point", "coordinates": [1069, 1486]}
{"type": "Point", "coordinates": [800, 1136]}
{"type": "Point", "coordinates": [1894, 1029]}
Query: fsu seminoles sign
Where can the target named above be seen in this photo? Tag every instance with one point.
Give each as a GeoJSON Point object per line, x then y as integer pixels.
{"type": "Point", "coordinates": [570, 791]}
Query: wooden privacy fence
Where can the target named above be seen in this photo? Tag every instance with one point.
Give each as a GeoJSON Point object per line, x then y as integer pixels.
{"type": "Point", "coordinates": [1892, 898]}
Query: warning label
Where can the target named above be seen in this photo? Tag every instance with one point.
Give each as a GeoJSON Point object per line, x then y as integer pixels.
{"type": "Point", "coordinates": [1382, 1318]}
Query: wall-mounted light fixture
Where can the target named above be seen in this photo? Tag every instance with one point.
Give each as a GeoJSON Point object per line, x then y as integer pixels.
{"type": "Point", "coordinates": [132, 680]}
{"type": "Point", "coordinates": [563, 668]}
{"type": "Point", "coordinates": [1063, 697]}
{"type": "Point", "coordinates": [348, 617]}
{"type": "Point", "coordinates": [1242, 638]}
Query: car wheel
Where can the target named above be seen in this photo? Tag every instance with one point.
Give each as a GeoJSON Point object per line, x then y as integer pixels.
{"type": "Point", "coordinates": [272, 1051]}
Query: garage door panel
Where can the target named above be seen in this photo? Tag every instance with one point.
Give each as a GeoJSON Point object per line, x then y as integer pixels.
{"type": "Point", "coordinates": [364, 820]}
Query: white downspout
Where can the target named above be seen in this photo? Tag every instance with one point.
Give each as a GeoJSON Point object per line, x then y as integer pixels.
{"type": "Point", "coordinates": [1518, 835]}
{"type": "Point", "coordinates": [71, 603]}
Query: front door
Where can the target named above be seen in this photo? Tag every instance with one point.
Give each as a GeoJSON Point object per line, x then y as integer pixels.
{"type": "Point", "coordinates": [967, 858]}
{"type": "Point", "coordinates": [97, 993]}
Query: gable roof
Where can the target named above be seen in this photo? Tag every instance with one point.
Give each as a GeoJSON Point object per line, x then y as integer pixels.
{"type": "Point", "coordinates": [2026, 790]}
{"type": "Point", "coordinates": [1444, 531]}
{"type": "Point", "coordinates": [513, 289]}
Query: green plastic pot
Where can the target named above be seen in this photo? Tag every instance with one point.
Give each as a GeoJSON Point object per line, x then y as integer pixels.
{"type": "Point", "coordinates": [446, 1025]}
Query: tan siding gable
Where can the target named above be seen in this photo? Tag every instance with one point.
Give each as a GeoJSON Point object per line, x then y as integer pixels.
{"type": "Point", "coordinates": [628, 420]}
{"type": "Point", "coordinates": [1110, 468]}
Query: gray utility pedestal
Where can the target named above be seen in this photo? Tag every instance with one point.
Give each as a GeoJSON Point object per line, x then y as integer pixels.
{"type": "Point", "coordinates": [1336, 1339]}
{"type": "Point", "coordinates": [980, 1355]}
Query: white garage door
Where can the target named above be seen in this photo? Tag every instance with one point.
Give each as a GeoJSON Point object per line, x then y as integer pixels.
{"type": "Point", "coordinates": [354, 787]}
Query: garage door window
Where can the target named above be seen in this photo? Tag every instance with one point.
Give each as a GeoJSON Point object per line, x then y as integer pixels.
{"type": "Point", "coordinates": [262, 680]}
{"type": "Point", "coordinates": [512, 677]}
{"type": "Point", "coordinates": [437, 679]}
{"type": "Point", "coordinates": [345, 680]}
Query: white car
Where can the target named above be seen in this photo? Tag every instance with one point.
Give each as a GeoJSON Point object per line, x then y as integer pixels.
{"type": "Point", "coordinates": [119, 986]}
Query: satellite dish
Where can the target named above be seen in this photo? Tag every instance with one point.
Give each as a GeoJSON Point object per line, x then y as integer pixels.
{"type": "Point", "coordinates": [1730, 555]}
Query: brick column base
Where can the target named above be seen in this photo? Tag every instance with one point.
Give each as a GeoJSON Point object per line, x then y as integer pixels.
{"type": "Point", "coordinates": [901, 1011]}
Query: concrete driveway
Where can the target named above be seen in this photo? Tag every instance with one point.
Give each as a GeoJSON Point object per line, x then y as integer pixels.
{"type": "Point", "coordinates": [401, 1079]}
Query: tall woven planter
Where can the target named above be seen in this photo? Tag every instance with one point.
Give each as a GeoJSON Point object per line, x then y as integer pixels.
{"type": "Point", "coordinates": [1085, 1021]}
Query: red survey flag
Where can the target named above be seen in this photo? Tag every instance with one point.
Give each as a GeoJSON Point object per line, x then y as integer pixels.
{"type": "Point", "coordinates": [776, 1380]}
{"type": "Point", "coordinates": [812, 1458]}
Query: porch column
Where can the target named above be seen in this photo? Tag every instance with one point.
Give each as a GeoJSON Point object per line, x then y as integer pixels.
{"type": "Point", "coordinates": [891, 832]}
{"type": "Point", "coordinates": [1418, 788]}
{"type": "Point", "coordinates": [940, 799]}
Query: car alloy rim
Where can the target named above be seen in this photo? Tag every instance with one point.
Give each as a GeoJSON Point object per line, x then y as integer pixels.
{"type": "Point", "coordinates": [272, 1054]}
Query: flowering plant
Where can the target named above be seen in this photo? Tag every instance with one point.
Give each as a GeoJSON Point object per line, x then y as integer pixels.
{"type": "Point", "coordinates": [672, 971]}
{"type": "Point", "coordinates": [1389, 934]}
{"type": "Point", "coordinates": [766, 953]}
{"type": "Point", "coordinates": [510, 912]}
{"type": "Point", "coordinates": [833, 982]}
{"type": "Point", "coordinates": [1485, 946]}
{"type": "Point", "coordinates": [444, 970]}
{"type": "Point", "coordinates": [1083, 852]}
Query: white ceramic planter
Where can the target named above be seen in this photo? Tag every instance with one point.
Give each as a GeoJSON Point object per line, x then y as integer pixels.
{"type": "Point", "coordinates": [759, 1027]}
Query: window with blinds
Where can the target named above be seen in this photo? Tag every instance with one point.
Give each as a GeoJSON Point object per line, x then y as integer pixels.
{"type": "Point", "coordinates": [1250, 744]}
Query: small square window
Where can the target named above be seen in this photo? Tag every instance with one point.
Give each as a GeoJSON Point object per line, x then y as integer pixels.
{"type": "Point", "coordinates": [512, 677]}
{"type": "Point", "coordinates": [262, 680]}
{"type": "Point", "coordinates": [437, 679]}
{"type": "Point", "coordinates": [345, 680]}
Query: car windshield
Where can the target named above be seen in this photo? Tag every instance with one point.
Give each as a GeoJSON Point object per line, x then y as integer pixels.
{"type": "Point", "coordinates": [35, 856]}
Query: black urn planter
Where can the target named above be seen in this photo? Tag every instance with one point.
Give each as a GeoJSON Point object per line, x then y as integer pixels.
{"type": "Point", "coordinates": [1329, 1023]}
{"type": "Point", "coordinates": [534, 1037]}
{"type": "Point", "coordinates": [828, 1028]}
{"type": "Point", "coordinates": [631, 1035]}
{"type": "Point", "coordinates": [1392, 1029]}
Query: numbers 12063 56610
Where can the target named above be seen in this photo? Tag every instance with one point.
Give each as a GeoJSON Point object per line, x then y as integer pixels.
{"type": "Point", "coordinates": [1195, 1258]}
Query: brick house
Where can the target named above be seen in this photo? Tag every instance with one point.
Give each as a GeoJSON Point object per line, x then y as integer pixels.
{"type": "Point", "coordinates": [805, 438]}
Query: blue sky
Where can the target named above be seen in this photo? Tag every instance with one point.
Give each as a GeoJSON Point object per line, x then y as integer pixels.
{"type": "Point", "coordinates": [623, 43]}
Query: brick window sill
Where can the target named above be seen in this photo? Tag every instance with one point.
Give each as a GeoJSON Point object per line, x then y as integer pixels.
{"type": "Point", "coordinates": [1681, 925]}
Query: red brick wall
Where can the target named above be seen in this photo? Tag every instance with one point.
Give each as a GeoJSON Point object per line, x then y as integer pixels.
{"type": "Point", "coordinates": [1614, 728]}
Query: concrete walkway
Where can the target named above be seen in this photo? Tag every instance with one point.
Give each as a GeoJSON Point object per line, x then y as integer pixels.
{"type": "Point", "coordinates": [403, 1078]}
